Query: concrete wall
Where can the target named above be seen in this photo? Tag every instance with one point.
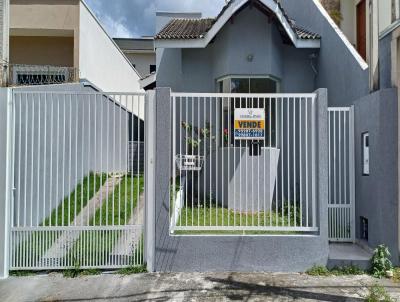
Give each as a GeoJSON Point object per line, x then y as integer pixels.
{"type": "Point", "coordinates": [340, 69]}
{"type": "Point", "coordinates": [100, 59]}
{"type": "Point", "coordinates": [60, 139]}
{"type": "Point", "coordinates": [30, 50]}
{"type": "Point", "coordinates": [197, 70]}
{"type": "Point", "coordinates": [233, 253]}
{"type": "Point", "coordinates": [376, 194]}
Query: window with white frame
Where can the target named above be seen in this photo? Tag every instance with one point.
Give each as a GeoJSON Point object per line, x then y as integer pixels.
{"type": "Point", "coordinates": [248, 85]}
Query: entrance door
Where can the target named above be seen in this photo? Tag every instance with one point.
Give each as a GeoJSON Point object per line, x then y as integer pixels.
{"type": "Point", "coordinates": [362, 29]}
{"type": "Point", "coordinates": [341, 216]}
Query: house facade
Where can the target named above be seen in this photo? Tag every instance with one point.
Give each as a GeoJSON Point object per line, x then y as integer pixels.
{"type": "Point", "coordinates": [266, 47]}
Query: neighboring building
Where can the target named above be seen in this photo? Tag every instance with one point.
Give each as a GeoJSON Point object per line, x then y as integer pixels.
{"type": "Point", "coordinates": [362, 21]}
{"type": "Point", "coordinates": [4, 33]}
{"type": "Point", "coordinates": [140, 52]}
{"type": "Point", "coordinates": [62, 41]}
{"type": "Point", "coordinates": [142, 55]}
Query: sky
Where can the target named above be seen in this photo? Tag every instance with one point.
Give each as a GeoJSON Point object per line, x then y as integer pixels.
{"type": "Point", "coordinates": [135, 18]}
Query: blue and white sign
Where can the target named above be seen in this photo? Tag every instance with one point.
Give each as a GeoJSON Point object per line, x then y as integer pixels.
{"type": "Point", "coordinates": [249, 124]}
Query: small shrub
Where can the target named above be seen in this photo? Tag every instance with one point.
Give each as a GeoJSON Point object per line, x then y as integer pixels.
{"type": "Point", "coordinates": [22, 273]}
{"type": "Point", "coordinates": [133, 270]}
{"type": "Point", "coordinates": [73, 272]}
{"type": "Point", "coordinates": [380, 262]}
{"type": "Point", "coordinates": [378, 294]}
{"type": "Point", "coordinates": [318, 270]}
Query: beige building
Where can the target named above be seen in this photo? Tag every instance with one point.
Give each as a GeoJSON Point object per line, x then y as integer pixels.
{"type": "Point", "coordinates": [57, 41]}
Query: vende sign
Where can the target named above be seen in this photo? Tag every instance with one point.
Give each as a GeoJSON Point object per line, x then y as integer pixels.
{"type": "Point", "coordinates": [249, 124]}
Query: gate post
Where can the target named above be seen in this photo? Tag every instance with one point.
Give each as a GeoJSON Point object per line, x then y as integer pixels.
{"type": "Point", "coordinates": [6, 175]}
{"type": "Point", "coordinates": [150, 135]}
{"type": "Point", "coordinates": [322, 161]}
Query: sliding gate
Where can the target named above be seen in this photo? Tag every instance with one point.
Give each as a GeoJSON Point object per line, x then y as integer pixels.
{"type": "Point", "coordinates": [341, 214]}
{"type": "Point", "coordinates": [78, 180]}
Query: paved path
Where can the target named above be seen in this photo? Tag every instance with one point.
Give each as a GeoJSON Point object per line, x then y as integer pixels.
{"type": "Point", "coordinates": [191, 287]}
{"type": "Point", "coordinates": [66, 241]}
{"type": "Point", "coordinates": [126, 246]}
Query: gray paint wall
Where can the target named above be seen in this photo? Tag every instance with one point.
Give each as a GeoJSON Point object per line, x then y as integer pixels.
{"type": "Point", "coordinates": [376, 195]}
{"type": "Point", "coordinates": [196, 70]}
{"type": "Point", "coordinates": [234, 253]}
{"type": "Point", "coordinates": [50, 163]}
{"type": "Point", "coordinates": [385, 62]}
{"type": "Point", "coordinates": [338, 70]}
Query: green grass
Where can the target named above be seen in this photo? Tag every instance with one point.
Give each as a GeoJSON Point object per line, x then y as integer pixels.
{"type": "Point", "coordinates": [133, 270]}
{"type": "Point", "coordinates": [38, 244]}
{"type": "Point", "coordinates": [116, 210]}
{"type": "Point", "coordinates": [203, 214]}
{"type": "Point", "coordinates": [22, 273]}
{"type": "Point", "coordinates": [319, 270]}
{"type": "Point", "coordinates": [72, 205]}
{"type": "Point", "coordinates": [378, 293]}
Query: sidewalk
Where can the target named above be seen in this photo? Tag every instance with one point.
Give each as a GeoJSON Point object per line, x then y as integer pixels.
{"type": "Point", "coordinates": [191, 287]}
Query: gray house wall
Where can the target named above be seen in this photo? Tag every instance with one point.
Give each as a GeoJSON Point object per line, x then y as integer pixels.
{"type": "Point", "coordinates": [338, 70]}
{"type": "Point", "coordinates": [197, 70]}
{"type": "Point", "coordinates": [73, 147]}
{"type": "Point", "coordinates": [376, 194]}
{"type": "Point", "coordinates": [385, 62]}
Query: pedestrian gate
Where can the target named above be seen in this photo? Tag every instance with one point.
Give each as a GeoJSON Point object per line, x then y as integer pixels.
{"type": "Point", "coordinates": [341, 214]}
{"type": "Point", "coordinates": [78, 181]}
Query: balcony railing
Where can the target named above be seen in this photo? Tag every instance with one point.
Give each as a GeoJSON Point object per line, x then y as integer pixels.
{"type": "Point", "coordinates": [28, 75]}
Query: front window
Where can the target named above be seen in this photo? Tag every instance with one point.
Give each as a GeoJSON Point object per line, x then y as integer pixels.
{"type": "Point", "coordinates": [248, 85]}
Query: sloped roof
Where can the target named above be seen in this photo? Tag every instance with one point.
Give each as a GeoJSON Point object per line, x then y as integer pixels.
{"type": "Point", "coordinates": [197, 28]}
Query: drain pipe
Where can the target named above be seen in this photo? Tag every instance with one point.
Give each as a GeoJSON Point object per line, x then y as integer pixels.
{"type": "Point", "coordinates": [312, 58]}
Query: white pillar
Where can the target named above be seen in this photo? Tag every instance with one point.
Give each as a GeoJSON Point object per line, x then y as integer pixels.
{"type": "Point", "coordinates": [6, 174]}
{"type": "Point", "coordinates": [374, 44]}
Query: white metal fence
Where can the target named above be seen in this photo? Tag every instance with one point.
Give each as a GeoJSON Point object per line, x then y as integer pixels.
{"type": "Point", "coordinates": [243, 163]}
{"type": "Point", "coordinates": [341, 212]}
{"type": "Point", "coordinates": [78, 202]}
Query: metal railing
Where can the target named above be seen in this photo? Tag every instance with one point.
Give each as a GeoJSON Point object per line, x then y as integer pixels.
{"type": "Point", "coordinates": [77, 199]}
{"type": "Point", "coordinates": [31, 75]}
{"type": "Point", "coordinates": [243, 164]}
{"type": "Point", "coordinates": [341, 200]}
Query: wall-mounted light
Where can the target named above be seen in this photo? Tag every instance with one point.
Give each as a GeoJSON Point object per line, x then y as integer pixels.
{"type": "Point", "coordinates": [250, 58]}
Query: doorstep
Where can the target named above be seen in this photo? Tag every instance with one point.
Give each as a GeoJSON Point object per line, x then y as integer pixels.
{"type": "Point", "coordinates": [346, 254]}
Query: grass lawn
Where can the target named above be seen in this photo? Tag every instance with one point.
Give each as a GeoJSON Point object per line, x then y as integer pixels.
{"type": "Point", "coordinates": [116, 210]}
{"type": "Point", "coordinates": [72, 205]}
{"type": "Point", "coordinates": [40, 241]}
{"type": "Point", "coordinates": [220, 217]}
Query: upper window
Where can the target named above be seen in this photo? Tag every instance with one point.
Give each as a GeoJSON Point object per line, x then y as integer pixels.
{"type": "Point", "coordinates": [257, 84]}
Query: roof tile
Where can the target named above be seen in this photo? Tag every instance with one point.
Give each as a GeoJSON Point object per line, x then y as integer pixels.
{"type": "Point", "coordinates": [197, 28]}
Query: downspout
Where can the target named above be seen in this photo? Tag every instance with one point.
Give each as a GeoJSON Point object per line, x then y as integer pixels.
{"type": "Point", "coordinates": [313, 58]}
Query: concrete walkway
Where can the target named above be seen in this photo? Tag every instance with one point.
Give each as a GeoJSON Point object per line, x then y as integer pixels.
{"type": "Point", "coordinates": [66, 241]}
{"type": "Point", "coordinates": [127, 246]}
{"type": "Point", "coordinates": [191, 287]}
